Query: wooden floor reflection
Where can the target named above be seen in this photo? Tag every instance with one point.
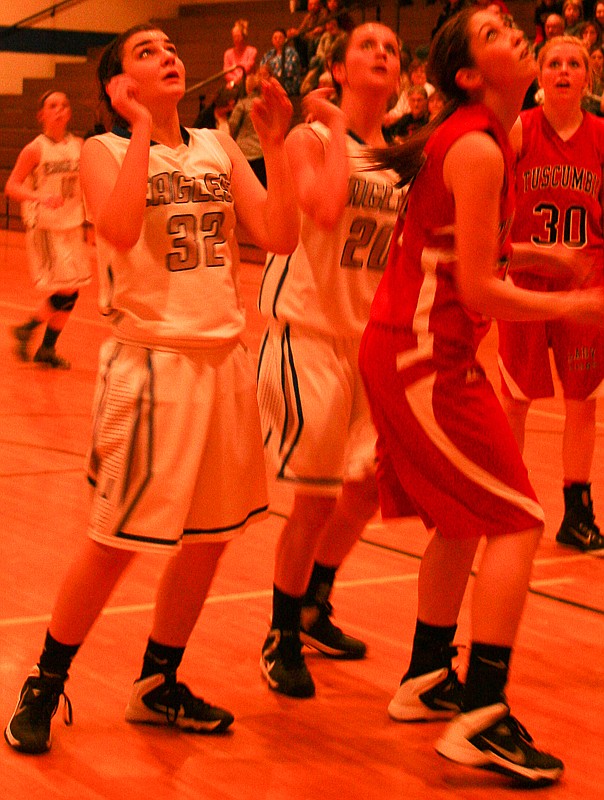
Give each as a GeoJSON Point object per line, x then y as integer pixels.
{"type": "Point", "coordinates": [339, 745]}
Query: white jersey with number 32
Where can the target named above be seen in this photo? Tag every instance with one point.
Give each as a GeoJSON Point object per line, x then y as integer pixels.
{"type": "Point", "coordinates": [178, 286]}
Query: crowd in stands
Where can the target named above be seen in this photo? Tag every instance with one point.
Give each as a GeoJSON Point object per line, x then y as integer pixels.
{"type": "Point", "coordinates": [299, 59]}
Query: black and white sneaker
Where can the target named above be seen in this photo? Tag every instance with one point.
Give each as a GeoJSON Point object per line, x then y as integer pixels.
{"type": "Point", "coordinates": [436, 695]}
{"type": "Point", "coordinates": [282, 664]}
{"type": "Point", "coordinates": [29, 727]}
{"type": "Point", "coordinates": [318, 631]}
{"type": "Point", "coordinates": [582, 533]}
{"type": "Point", "coordinates": [160, 700]}
{"type": "Point", "coordinates": [491, 738]}
{"type": "Point", "coordinates": [579, 527]}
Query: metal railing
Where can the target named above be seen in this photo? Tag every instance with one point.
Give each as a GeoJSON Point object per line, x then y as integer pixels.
{"type": "Point", "coordinates": [215, 77]}
{"type": "Point", "coordinates": [49, 11]}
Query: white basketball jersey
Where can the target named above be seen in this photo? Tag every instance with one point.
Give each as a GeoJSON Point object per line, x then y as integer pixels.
{"type": "Point", "coordinates": [329, 281]}
{"type": "Point", "coordinates": [178, 286]}
{"type": "Point", "coordinates": [58, 173]}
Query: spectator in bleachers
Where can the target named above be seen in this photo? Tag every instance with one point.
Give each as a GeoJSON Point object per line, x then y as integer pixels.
{"type": "Point", "coordinates": [284, 62]}
{"type": "Point", "coordinates": [241, 54]}
{"type": "Point", "coordinates": [416, 77]}
{"type": "Point", "coordinates": [598, 16]}
{"type": "Point", "coordinates": [242, 128]}
{"type": "Point", "coordinates": [554, 26]}
{"type": "Point", "coordinates": [216, 114]}
{"type": "Point", "coordinates": [572, 11]}
{"type": "Point", "coordinates": [335, 8]}
{"type": "Point", "coordinates": [414, 119]}
{"type": "Point", "coordinates": [305, 38]}
{"type": "Point", "coordinates": [436, 103]}
{"type": "Point", "coordinates": [450, 8]}
{"type": "Point", "coordinates": [589, 33]}
{"type": "Point", "coordinates": [592, 100]}
{"type": "Point", "coordinates": [317, 64]}
{"type": "Point", "coordinates": [542, 11]}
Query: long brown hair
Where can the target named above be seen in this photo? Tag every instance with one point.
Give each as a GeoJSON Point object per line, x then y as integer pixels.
{"type": "Point", "coordinates": [110, 65]}
{"type": "Point", "coordinates": [449, 52]}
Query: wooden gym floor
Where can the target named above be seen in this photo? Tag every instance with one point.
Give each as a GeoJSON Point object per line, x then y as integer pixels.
{"type": "Point", "coordinates": [339, 745]}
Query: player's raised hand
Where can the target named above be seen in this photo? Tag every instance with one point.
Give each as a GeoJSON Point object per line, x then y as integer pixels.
{"type": "Point", "coordinates": [271, 112]}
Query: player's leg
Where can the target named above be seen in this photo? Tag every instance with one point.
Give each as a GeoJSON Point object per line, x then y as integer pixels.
{"type": "Point", "coordinates": [62, 304]}
{"type": "Point", "coordinates": [577, 351]}
{"type": "Point", "coordinates": [157, 697]}
{"type": "Point", "coordinates": [516, 411]}
{"type": "Point", "coordinates": [356, 505]}
{"type": "Point", "coordinates": [485, 733]}
{"type": "Point", "coordinates": [430, 688]}
{"type": "Point", "coordinates": [208, 483]}
{"type": "Point", "coordinates": [282, 663]}
{"type": "Point", "coordinates": [304, 395]}
{"type": "Point", "coordinates": [579, 528]}
{"type": "Point", "coordinates": [23, 333]}
{"type": "Point", "coordinates": [83, 594]}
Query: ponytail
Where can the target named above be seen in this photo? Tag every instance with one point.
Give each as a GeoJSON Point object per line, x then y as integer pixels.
{"type": "Point", "coordinates": [449, 52]}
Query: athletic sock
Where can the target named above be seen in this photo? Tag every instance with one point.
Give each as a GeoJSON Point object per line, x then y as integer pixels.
{"type": "Point", "coordinates": [286, 611]}
{"type": "Point", "coordinates": [160, 658]}
{"type": "Point", "coordinates": [431, 648]}
{"type": "Point", "coordinates": [320, 585]}
{"type": "Point", "coordinates": [50, 337]}
{"type": "Point", "coordinates": [487, 675]}
{"type": "Point", "coordinates": [577, 496]}
{"type": "Point", "coordinates": [56, 657]}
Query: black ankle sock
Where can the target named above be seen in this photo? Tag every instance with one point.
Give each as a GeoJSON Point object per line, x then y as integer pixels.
{"type": "Point", "coordinates": [286, 611]}
{"type": "Point", "coordinates": [56, 658]}
{"type": "Point", "coordinates": [577, 496]}
{"type": "Point", "coordinates": [487, 675]}
{"type": "Point", "coordinates": [431, 648]}
{"type": "Point", "coordinates": [161, 658]}
{"type": "Point", "coordinates": [320, 585]}
{"type": "Point", "coordinates": [50, 337]}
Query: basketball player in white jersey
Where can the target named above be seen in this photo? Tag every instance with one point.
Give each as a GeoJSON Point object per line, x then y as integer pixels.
{"type": "Point", "coordinates": [46, 181]}
{"type": "Point", "coordinates": [316, 422]}
{"type": "Point", "coordinates": [176, 459]}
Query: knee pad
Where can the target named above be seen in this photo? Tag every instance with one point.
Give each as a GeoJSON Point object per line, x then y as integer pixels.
{"type": "Point", "coordinates": [63, 302]}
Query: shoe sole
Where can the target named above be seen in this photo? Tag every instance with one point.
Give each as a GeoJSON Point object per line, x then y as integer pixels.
{"type": "Point", "coordinates": [49, 365]}
{"type": "Point", "coordinates": [330, 652]}
{"type": "Point", "coordinates": [580, 547]}
{"type": "Point", "coordinates": [272, 684]}
{"type": "Point", "coordinates": [470, 756]}
{"type": "Point", "coordinates": [188, 725]}
{"type": "Point", "coordinates": [405, 714]}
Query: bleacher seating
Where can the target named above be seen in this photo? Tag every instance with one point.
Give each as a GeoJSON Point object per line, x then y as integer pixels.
{"type": "Point", "coordinates": [202, 33]}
